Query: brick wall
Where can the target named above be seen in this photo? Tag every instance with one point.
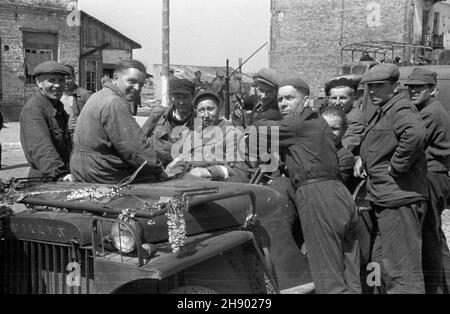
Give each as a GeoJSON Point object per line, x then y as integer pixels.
{"type": "Point", "coordinates": [307, 36]}
{"type": "Point", "coordinates": [37, 15]}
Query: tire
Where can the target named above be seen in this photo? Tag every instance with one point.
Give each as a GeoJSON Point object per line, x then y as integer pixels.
{"type": "Point", "coordinates": [192, 290]}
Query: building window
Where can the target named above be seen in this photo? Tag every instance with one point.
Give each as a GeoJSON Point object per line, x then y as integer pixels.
{"type": "Point", "coordinates": [34, 57]}
{"type": "Point", "coordinates": [37, 48]}
{"type": "Point", "coordinates": [91, 75]}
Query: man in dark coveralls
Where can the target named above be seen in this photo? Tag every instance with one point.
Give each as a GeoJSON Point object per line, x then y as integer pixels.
{"type": "Point", "coordinates": [326, 209]}
{"type": "Point", "coordinates": [109, 145]}
{"type": "Point", "coordinates": [393, 157]}
{"type": "Point", "coordinates": [436, 256]}
{"type": "Point", "coordinates": [44, 132]}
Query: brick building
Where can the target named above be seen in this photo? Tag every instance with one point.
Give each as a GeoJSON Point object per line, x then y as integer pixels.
{"type": "Point", "coordinates": [33, 31]}
{"type": "Point", "coordinates": [307, 35]}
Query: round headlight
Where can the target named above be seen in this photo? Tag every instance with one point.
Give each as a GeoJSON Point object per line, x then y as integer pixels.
{"type": "Point", "coordinates": [123, 237]}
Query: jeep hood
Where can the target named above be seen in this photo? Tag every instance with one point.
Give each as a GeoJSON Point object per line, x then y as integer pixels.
{"type": "Point", "coordinates": [203, 215]}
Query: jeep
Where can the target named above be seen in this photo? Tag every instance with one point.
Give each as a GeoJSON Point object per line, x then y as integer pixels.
{"type": "Point", "coordinates": [177, 236]}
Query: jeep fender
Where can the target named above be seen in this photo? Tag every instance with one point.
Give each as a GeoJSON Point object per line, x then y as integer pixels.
{"type": "Point", "coordinates": [111, 274]}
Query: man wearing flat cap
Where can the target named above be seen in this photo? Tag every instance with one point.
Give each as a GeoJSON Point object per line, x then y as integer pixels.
{"type": "Point", "coordinates": [326, 209]}
{"type": "Point", "coordinates": [266, 81]}
{"type": "Point", "coordinates": [161, 122]}
{"type": "Point", "coordinates": [341, 92]}
{"type": "Point", "coordinates": [109, 145]}
{"type": "Point", "coordinates": [44, 133]}
{"type": "Point", "coordinates": [393, 158]}
{"type": "Point", "coordinates": [436, 257]}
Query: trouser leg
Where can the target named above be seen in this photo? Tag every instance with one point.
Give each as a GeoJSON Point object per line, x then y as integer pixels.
{"type": "Point", "coordinates": [328, 218]}
{"type": "Point", "coordinates": [399, 248]}
{"type": "Point", "coordinates": [440, 184]}
{"type": "Point", "coordinates": [432, 255]}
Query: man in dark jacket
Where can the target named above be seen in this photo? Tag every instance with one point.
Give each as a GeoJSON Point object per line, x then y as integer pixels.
{"type": "Point", "coordinates": [109, 144]}
{"type": "Point", "coordinates": [162, 121]}
{"type": "Point", "coordinates": [436, 257]}
{"type": "Point", "coordinates": [266, 108]}
{"type": "Point", "coordinates": [74, 98]}
{"type": "Point", "coordinates": [342, 93]}
{"type": "Point", "coordinates": [394, 160]}
{"type": "Point", "coordinates": [44, 134]}
{"type": "Point", "coordinates": [326, 209]}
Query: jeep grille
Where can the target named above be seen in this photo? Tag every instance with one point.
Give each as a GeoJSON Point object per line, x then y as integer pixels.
{"type": "Point", "coordinates": [35, 267]}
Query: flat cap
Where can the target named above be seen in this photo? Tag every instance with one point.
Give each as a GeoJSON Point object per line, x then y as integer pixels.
{"type": "Point", "coordinates": [421, 76]}
{"type": "Point", "coordinates": [381, 73]}
{"type": "Point", "coordinates": [51, 67]}
{"type": "Point", "coordinates": [267, 76]}
{"type": "Point", "coordinates": [295, 82]}
{"type": "Point", "coordinates": [206, 94]}
{"type": "Point", "coordinates": [351, 81]}
{"type": "Point", "coordinates": [181, 86]}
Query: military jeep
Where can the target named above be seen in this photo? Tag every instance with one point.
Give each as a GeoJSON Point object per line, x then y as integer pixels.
{"type": "Point", "coordinates": [177, 236]}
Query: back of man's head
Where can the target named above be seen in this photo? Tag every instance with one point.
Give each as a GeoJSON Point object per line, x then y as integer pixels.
{"type": "Point", "coordinates": [333, 111]}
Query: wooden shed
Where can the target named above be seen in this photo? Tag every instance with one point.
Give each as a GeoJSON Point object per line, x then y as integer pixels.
{"type": "Point", "coordinates": [101, 48]}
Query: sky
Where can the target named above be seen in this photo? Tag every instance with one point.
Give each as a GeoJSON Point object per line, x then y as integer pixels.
{"type": "Point", "coordinates": [202, 32]}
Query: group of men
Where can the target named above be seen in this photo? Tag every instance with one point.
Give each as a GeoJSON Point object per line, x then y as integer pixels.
{"type": "Point", "coordinates": [322, 152]}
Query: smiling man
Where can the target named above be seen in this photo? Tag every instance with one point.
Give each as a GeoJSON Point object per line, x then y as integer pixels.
{"type": "Point", "coordinates": [43, 124]}
{"type": "Point", "coordinates": [342, 93]}
{"type": "Point", "coordinates": [392, 153]}
{"type": "Point", "coordinates": [163, 120]}
{"type": "Point", "coordinates": [109, 145]}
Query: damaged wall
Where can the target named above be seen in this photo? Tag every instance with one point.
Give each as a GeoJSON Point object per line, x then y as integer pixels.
{"type": "Point", "coordinates": [307, 36]}
{"type": "Point", "coordinates": [31, 16]}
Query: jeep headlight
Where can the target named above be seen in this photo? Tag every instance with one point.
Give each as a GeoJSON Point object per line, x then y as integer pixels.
{"type": "Point", "coordinates": [123, 238]}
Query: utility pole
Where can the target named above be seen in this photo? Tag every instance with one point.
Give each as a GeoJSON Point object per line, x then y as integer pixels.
{"type": "Point", "coordinates": [165, 53]}
{"type": "Point", "coordinates": [226, 92]}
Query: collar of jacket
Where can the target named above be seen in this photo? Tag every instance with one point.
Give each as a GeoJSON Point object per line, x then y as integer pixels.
{"type": "Point", "coordinates": [426, 103]}
{"type": "Point", "coordinates": [391, 102]}
{"type": "Point", "coordinates": [261, 108]}
{"type": "Point", "coordinates": [53, 107]}
{"type": "Point", "coordinates": [114, 89]}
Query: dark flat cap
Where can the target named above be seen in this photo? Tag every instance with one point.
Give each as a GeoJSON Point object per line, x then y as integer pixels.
{"type": "Point", "coordinates": [51, 67]}
{"type": "Point", "coordinates": [181, 86]}
{"type": "Point", "coordinates": [206, 94]}
{"type": "Point", "coordinates": [381, 73]}
{"type": "Point", "coordinates": [267, 76]}
{"type": "Point", "coordinates": [351, 81]}
{"type": "Point", "coordinates": [295, 82]}
{"type": "Point", "coordinates": [421, 76]}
